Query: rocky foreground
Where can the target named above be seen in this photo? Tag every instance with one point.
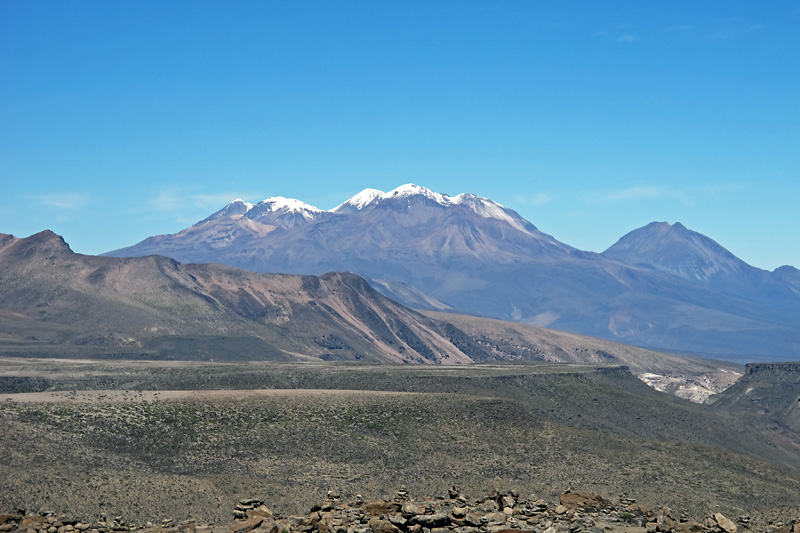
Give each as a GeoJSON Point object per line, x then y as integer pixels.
{"type": "Point", "coordinates": [497, 512]}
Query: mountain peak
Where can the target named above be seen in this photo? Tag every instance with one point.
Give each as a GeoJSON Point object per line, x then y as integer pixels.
{"type": "Point", "coordinates": [50, 237]}
{"type": "Point", "coordinates": [410, 189]}
{"type": "Point", "coordinates": [482, 207]}
{"type": "Point", "coordinates": [236, 207]}
{"type": "Point", "coordinates": [371, 196]}
{"type": "Point", "coordinates": [360, 200]}
{"type": "Point", "coordinates": [656, 229]}
{"type": "Point", "coordinates": [675, 249]}
{"type": "Point", "coordinates": [288, 205]}
{"type": "Point", "coordinates": [44, 244]}
{"type": "Point", "coordinates": [283, 212]}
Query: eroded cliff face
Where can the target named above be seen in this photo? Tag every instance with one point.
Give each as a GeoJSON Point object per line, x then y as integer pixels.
{"type": "Point", "coordinates": [768, 396]}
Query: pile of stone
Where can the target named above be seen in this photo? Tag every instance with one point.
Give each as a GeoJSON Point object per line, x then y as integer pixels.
{"type": "Point", "coordinates": [43, 521]}
{"type": "Point", "coordinates": [497, 512]}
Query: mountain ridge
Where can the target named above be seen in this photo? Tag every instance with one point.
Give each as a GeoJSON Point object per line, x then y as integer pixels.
{"type": "Point", "coordinates": [145, 302]}
{"type": "Point", "coordinates": [662, 286]}
{"type": "Point", "coordinates": [56, 302]}
{"type": "Point", "coordinates": [679, 251]}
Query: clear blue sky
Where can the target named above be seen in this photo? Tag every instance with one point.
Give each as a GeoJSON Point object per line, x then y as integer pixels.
{"type": "Point", "coordinates": [125, 119]}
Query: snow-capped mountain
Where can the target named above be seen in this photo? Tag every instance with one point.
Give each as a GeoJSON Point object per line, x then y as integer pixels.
{"type": "Point", "coordinates": [661, 286]}
{"type": "Point", "coordinates": [289, 212]}
{"type": "Point", "coordinates": [483, 207]}
{"type": "Point", "coordinates": [275, 211]}
{"type": "Point", "coordinates": [359, 201]}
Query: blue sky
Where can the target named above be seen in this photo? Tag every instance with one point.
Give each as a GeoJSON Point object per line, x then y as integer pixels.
{"type": "Point", "coordinates": [125, 119]}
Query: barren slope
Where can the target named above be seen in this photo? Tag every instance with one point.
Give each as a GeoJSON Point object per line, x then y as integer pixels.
{"type": "Point", "coordinates": [156, 306]}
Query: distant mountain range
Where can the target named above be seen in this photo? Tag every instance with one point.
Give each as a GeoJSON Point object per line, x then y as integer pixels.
{"type": "Point", "coordinates": [661, 286]}
{"type": "Point", "coordinates": [54, 302]}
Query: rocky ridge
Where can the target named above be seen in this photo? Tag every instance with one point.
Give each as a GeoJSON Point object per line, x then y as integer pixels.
{"type": "Point", "coordinates": [497, 512]}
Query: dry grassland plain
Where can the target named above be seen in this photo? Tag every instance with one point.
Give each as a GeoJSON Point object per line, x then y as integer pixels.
{"type": "Point", "coordinates": [169, 439]}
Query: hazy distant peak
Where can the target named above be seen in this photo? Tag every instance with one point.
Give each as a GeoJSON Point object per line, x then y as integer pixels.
{"type": "Point", "coordinates": [659, 229]}
{"type": "Point", "coordinates": [789, 269]}
{"type": "Point", "coordinates": [790, 276]}
{"type": "Point", "coordinates": [677, 250]}
{"type": "Point", "coordinates": [654, 230]}
{"type": "Point", "coordinates": [659, 226]}
{"type": "Point", "coordinates": [662, 235]}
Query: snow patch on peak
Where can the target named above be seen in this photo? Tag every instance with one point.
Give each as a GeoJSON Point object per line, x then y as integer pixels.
{"type": "Point", "coordinates": [237, 207]}
{"type": "Point", "coordinates": [476, 202]}
{"type": "Point", "coordinates": [490, 209]}
{"type": "Point", "coordinates": [360, 200]}
{"type": "Point", "coordinates": [370, 196]}
{"type": "Point", "coordinates": [279, 206]}
{"type": "Point", "coordinates": [248, 206]}
{"type": "Point", "coordinates": [409, 189]}
{"type": "Point", "coordinates": [483, 207]}
{"type": "Point", "coordinates": [289, 205]}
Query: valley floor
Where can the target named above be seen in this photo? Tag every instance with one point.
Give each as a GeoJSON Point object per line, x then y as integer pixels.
{"type": "Point", "coordinates": [181, 440]}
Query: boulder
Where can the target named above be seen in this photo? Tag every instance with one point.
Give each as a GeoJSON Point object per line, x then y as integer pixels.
{"type": "Point", "coordinates": [473, 519]}
{"type": "Point", "coordinates": [378, 525]}
{"type": "Point", "coordinates": [397, 519]}
{"type": "Point", "coordinates": [690, 526]}
{"type": "Point", "coordinates": [410, 509]}
{"type": "Point", "coordinates": [494, 519]}
{"type": "Point", "coordinates": [10, 517]}
{"type": "Point", "coordinates": [247, 525]}
{"type": "Point", "coordinates": [588, 501]}
{"type": "Point", "coordinates": [379, 507]}
{"type": "Point", "coordinates": [261, 511]}
{"type": "Point", "coordinates": [724, 523]}
{"type": "Point", "coordinates": [431, 520]}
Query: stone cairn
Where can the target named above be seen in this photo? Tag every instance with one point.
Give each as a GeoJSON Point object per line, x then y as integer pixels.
{"type": "Point", "coordinates": [497, 512]}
